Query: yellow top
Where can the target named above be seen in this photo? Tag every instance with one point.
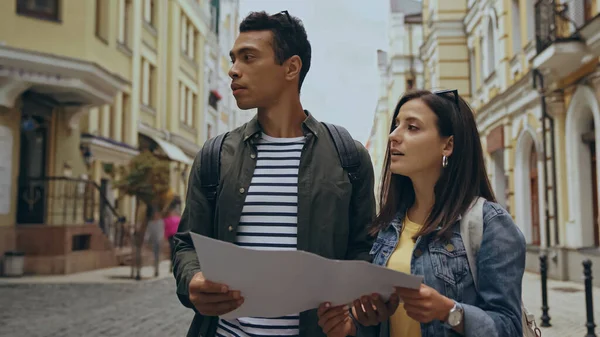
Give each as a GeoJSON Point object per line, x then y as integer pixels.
{"type": "Point", "coordinates": [400, 324]}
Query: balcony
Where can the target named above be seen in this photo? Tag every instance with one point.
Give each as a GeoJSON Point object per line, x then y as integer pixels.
{"type": "Point", "coordinates": [560, 47]}
{"type": "Point", "coordinates": [68, 81]}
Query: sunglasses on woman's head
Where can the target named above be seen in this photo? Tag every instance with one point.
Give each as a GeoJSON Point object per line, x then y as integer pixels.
{"type": "Point", "coordinates": [449, 94]}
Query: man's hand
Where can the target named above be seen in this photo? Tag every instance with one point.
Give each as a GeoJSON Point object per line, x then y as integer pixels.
{"type": "Point", "coordinates": [371, 310]}
{"type": "Point", "coordinates": [213, 299]}
{"type": "Point", "coordinates": [335, 321]}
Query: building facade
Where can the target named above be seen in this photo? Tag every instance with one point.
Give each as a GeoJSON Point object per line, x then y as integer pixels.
{"type": "Point", "coordinates": [530, 71]}
{"type": "Point", "coordinates": [400, 69]}
{"type": "Point", "coordinates": [84, 87]}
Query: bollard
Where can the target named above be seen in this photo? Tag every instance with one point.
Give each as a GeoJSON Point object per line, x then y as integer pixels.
{"type": "Point", "coordinates": [589, 300]}
{"type": "Point", "coordinates": [544, 274]}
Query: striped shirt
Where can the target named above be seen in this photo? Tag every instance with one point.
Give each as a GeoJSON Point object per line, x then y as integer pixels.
{"type": "Point", "coordinates": [269, 222]}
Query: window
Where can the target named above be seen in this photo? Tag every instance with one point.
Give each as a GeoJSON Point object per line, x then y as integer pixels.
{"type": "Point", "coordinates": [41, 9]}
{"type": "Point", "coordinates": [188, 37]}
{"type": "Point", "coordinates": [472, 71]}
{"type": "Point", "coordinates": [189, 120]}
{"type": "Point", "coordinates": [491, 39]}
{"type": "Point", "coordinates": [80, 242]}
{"type": "Point", "coordinates": [530, 10]}
{"type": "Point", "coordinates": [191, 39]}
{"type": "Point", "coordinates": [183, 35]}
{"type": "Point", "coordinates": [125, 22]}
{"type": "Point", "coordinates": [214, 16]}
{"type": "Point", "coordinates": [125, 111]}
{"type": "Point", "coordinates": [150, 12]}
{"type": "Point", "coordinates": [102, 16]}
{"type": "Point", "coordinates": [188, 102]}
{"type": "Point", "coordinates": [148, 84]}
{"type": "Point", "coordinates": [516, 27]}
{"type": "Point", "coordinates": [481, 61]}
{"type": "Point", "coordinates": [182, 98]}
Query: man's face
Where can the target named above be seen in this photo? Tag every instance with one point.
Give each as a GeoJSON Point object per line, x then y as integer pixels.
{"type": "Point", "coordinates": [257, 79]}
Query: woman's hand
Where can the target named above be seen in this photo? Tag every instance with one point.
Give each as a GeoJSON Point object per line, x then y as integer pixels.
{"type": "Point", "coordinates": [425, 304]}
{"type": "Point", "coordinates": [336, 321]}
{"type": "Point", "coordinates": [371, 310]}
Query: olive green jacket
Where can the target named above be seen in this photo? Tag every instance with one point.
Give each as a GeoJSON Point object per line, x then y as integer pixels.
{"type": "Point", "coordinates": [333, 218]}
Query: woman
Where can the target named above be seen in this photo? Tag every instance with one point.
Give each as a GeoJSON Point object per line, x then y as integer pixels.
{"type": "Point", "coordinates": [172, 223]}
{"type": "Point", "coordinates": [433, 172]}
{"type": "Point", "coordinates": [155, 233]}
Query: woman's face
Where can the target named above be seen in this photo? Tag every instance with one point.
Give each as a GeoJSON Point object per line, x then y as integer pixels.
{"type": "Point", "coordinates": [416, 146]}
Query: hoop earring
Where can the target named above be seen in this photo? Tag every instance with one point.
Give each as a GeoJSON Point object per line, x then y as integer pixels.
{"type": "Point", "coordinates": [444, 161]}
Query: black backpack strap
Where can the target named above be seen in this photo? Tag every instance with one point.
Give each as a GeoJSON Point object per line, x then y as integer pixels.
{"type": "Point", "coordinates": [210, 165]}
{"type": "Point", "coordinates": [346, 149]}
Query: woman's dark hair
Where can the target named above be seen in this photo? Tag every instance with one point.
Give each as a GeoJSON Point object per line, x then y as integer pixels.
{"type": "Point", "coordinates": [461, 181]}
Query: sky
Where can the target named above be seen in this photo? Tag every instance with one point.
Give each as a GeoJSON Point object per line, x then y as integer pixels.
{"type": "Point", "coordinates": [342, 85]}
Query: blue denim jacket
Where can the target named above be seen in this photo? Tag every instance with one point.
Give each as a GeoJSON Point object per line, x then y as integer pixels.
{"type": "Point", "coordinates": [493, 312]}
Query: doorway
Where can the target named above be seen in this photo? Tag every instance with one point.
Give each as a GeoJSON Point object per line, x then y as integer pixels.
{"type": "Point", "coordinates": [535, 197]}
{"type": "Point", "coordinates": [32, 193]}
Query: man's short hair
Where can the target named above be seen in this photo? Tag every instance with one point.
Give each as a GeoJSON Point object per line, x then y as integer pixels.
{"type": "Point", "coordinates": [289, 37]}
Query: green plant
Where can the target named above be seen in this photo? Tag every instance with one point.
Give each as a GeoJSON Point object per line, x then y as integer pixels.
{"type": "Point", "coordinates": [146, 177]}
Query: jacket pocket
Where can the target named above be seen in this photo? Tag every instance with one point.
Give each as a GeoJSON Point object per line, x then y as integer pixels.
{"type": "Point", "coordinates": [449, 260]}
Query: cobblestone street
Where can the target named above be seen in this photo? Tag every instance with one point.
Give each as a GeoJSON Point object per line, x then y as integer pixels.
{"type": "Point", "coordinates": [150, 308]}
{"type": "Point", "coordinates": [92, 310]}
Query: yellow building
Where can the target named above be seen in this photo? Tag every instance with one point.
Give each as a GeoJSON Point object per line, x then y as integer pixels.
{"type": "Point", "coordinates": [444, 49]}
{"type": "Point", "coordinates": [84, 87]}
{"type": "Point", "coordinates": [539, 139]}
{"type": "Point", "coordinates": [400, 69]}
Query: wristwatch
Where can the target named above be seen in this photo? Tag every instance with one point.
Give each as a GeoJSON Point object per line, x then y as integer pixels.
{"type": "Point", "coordinates": [455, 317]}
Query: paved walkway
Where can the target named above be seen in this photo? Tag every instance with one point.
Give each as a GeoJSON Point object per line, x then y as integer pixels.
{"type": "Point", "coordinates": [567, 306]}
{"type": "Point", "coordinates": [120, 274]}
{"type": "Point", "coordinates": [107, 303]}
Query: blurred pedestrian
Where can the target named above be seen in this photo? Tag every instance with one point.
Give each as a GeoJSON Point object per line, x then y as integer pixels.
{"type": "Point", "coordinates": [171, 220]}
{"type": "Point", "coordinates": [155, 234]}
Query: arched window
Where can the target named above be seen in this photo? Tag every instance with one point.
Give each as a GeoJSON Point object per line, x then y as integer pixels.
{"type": "Point", "coordinates": [516, 27]}
{"type": "Point", "coordinates": [491, 40]}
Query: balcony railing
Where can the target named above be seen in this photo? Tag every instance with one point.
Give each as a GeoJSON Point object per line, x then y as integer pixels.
{"type": "Point", "coordinates": [69, 201]}
{"type": "Point", "coordinates": [556, 22]}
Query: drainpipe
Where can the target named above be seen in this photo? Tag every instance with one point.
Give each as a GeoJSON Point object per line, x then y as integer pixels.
{"type": "Point", "coordinates": [537, 76]}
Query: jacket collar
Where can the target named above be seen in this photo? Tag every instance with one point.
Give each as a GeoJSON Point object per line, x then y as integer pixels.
{"type": "Point", "coordinates": [309, 125]}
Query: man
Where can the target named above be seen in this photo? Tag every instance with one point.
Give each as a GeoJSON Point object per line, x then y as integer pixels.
{"type": "Point", "coordinates": [282, 186]}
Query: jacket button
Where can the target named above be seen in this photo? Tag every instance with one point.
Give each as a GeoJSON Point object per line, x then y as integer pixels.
{"type": "Point", "coordinates": [450, 247]}
{"type": "Point", "coordinates": [242, 190]}
{"type": "Point", "coordinates": [252, 156]}
{"type": "Point", "coordinates": [231, 228]}
{"type": "Point", "coordinates": [418, 253]}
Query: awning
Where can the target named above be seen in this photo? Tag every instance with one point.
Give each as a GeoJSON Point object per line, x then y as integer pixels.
{"type": "Point", "coordinates": [172, 151]}
{"type": "Point", "coordinates": [108, 150]}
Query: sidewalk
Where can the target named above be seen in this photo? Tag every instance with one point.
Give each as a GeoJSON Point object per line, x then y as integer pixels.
{"type": "Point", "coordinates": [566, 301]}
{"type": "Point", "coordinates": [120, 274]}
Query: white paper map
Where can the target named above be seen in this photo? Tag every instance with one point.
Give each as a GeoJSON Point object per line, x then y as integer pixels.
{"type": "Point", "coordinates": [278, 283]}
